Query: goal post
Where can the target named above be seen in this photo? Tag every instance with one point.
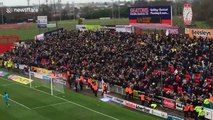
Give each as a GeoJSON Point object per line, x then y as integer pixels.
{"type": "Point", "coordinates": [48, 83]}
{"type": "Point", "coordinates": [51, 84]}
{"type": "Point", "coordinates": [57, 85]}
{"type": "Point", "coordinates": [30, 77]}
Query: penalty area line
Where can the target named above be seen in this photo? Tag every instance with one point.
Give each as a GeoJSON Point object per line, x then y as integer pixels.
{"type": "Point", "coordinates": [50, 105]}
{"type": "Point", "coordinates": [77, 104]}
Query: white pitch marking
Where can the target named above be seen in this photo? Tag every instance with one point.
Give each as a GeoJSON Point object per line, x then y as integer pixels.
{"type": "Point", "coordinates": [17, 103]}
{"type": "Point", "coordinates": [69, 102]}
{"type": "Point", "coordinates": [76, 104]}
{"type": "Point", "coordinates": [40, 107]}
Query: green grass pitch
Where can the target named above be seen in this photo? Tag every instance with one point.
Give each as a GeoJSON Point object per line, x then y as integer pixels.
{"type": "Point", "coordinates": [29, 32]}
{"type": "Point", "coordinates": [36, 104]}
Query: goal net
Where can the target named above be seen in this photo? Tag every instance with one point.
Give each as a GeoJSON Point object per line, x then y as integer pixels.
{"type": "Point", "coordinates": [48, 83]}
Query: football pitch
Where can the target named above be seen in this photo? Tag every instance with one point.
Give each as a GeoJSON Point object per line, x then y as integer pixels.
{"type": "Point", "coordinates": [37, 104]}
{"type": "Point", "coordinates": [29, 32]}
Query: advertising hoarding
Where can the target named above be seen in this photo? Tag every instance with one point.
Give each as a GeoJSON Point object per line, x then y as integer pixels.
{"type": "Point", "coordinates": [169, 103]}
{"type": "Point", "coordinates": [187, 14]}
{"type": "Point", "coordinates": [42, 21]}
{"type": "Point", "coordinates": [2, 73]}
{"type": "Point", "coordinates": [197, 32]}
{"type": "Point", "coordinates": [151, 14]}
{"type": "Point", "coordinates": [208, 113]}
{"type": "Point", "coordinates": [20, 79]}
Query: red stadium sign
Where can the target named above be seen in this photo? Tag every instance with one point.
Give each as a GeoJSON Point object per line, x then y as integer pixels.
{"type": "Point", "coordinates": [169, 103]}
{"type": "Point", "coordinates": [130, 104]}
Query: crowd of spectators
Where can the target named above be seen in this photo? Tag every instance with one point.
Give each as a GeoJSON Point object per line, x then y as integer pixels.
{"type": "Point", "coordinates": [174, 66]}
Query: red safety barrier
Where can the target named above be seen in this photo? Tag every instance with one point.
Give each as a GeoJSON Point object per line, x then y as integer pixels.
{"type": "Point", "coordinates": [7, 42]}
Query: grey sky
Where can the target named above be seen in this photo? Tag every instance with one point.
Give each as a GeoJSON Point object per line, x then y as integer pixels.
{"type": "Point", "coordinates": [24, 2]}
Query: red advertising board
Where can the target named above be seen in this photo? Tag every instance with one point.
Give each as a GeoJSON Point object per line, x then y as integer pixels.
{"type": "Point", "coordinates": [62, 75]}
{"type": "Point", "coordinates": [169, 103]}
{"type": "Point", "coordinates": [129, 104]}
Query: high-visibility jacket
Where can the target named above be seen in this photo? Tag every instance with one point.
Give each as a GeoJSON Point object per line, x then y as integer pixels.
{"type": "Point", "coordinates": [127, 89]}
{"type": "Point", "coordinates": [130, 91]}
{"type": "Point", "coordinates": [9, 65]}
{"type": "Point", "coordinates": [154, 105]}
{"type": "Point", "coordinates": [211, 98]}
{"type": "Point", "coordinates": [82, 79]}
{"type": "Point", "coordinates": [191, 107]}
{"type": "Point", "coordinates": [93, 84]}
{"type": "Point", "coordinates": [201, 113]}
{"type": "Point", "coordinates": [90, 81]}
{"type": "Point", "coordinates": [95, 87]}
{"type": "Point", "coordinates": [198, 108]}
{"type": "Point", "coordinates": [142, 97]}
{"type": "Point", "coordinates": [206, 101]}
{"type": "Point", "coordinates": [186, 108]}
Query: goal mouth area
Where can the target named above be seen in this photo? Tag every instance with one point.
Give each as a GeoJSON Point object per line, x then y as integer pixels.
{"type": "Point", "coordinates": [48, 82]}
